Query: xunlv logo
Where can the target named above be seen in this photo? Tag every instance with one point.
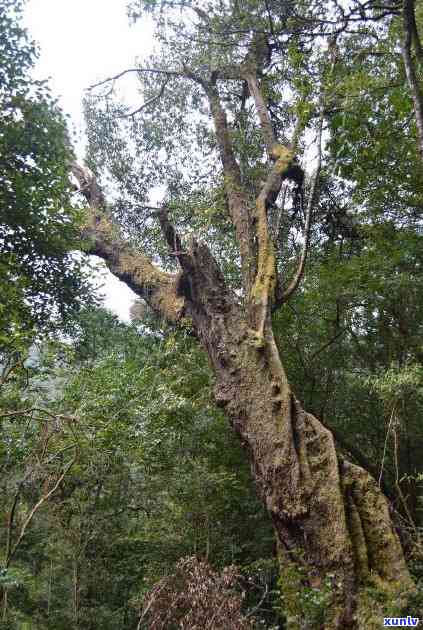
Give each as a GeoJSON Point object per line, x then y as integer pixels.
{"type": "Point", "coordinates": [401, 621]}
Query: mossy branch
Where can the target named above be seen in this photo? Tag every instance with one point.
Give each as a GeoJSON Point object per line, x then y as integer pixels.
{"type": "Point", "coordinates": [262, 292]}
{"type": "Point", "coordinates": [156, 287]}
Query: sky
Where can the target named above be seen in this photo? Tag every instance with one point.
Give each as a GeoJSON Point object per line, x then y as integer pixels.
{"type": "Point", "coordinates": [82, 42]}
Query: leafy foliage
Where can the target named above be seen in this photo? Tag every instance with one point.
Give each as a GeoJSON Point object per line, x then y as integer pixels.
{"type": "Point", "coordinates": [157, 476]}
{"type": "Point", "coordinates": [39, 277]}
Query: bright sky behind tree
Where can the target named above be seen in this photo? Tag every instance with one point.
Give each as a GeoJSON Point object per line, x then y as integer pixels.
{"type": "Point", "coordinates": [82, 42]}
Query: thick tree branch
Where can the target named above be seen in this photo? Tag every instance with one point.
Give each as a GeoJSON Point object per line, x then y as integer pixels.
{"type": "Point", "coordinates": [263, 289]}
{"type": "Point", "coordinates": [263, 293]}
{"type": "Point", "coordinates": [409, 7]}
{"type": "Point", "coordinates": [238, 200]}
{"type": "Point", "coordinates": [158, 288]}
{"type": "Point", "coordinates": [173, 239]}
{"type": "Point", "coordinates": [230, 165]}
{"type": "Point", "coordinates": [410, 34]}
{"type": "Point", "coordinates": [263, 114]}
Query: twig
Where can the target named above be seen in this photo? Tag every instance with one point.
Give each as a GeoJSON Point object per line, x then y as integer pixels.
{"type": "Point", "coordinates": [329, 343]}
{"type": "Point", "coordinates": [169, 73]}
{"type": "Point", "coordinates": [150, 101]}
{"type": "Point", "coordinates": [251, 612]}
{"type": "Point", "coordinates": [153, 596]}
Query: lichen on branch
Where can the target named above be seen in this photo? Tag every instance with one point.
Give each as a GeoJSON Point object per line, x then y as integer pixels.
{"type": "Point", "coordinates": [263, 289]}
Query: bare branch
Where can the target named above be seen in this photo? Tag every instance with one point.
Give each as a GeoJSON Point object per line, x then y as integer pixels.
{"type": "Point", "coordinates": [263, 290]}
{"type": "Point", "coordinates": [150, 101]}
{"type": "Point", "coordinates": [88, 186]}
{"type": "Point", "coordinates": [30, 516]}
{"type": "Point", "coordinates": [169, 73]}
{"type": "Point", "coordinates": [328, 344]}
{"type": "Point", "coordinates": [201, 14]}
{"type": "Point", "coordinates": [20, 412]}
{"type": "Point", "coordinates": [237, 197]}
{"type": "Point", "coordinates": [172, 238]}
{"type": "Point", "coordinates": [11, 516]}
{"type": "Point", "coordinates": [278, 215]}
{"type": "Point", "coordinates": [270, 19]}
{"type": "Point", "coordinates": [30, 410]}
{"type": "Point", "coordinates": [263, 114]}
{"type": "Point", "coordinates": [230, 165]}
{"type": "Point", "coordinates": [257, 606]}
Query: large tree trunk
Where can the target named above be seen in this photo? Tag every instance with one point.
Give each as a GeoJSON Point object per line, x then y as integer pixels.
{"type": "Point", "coordinates": [332, 522]}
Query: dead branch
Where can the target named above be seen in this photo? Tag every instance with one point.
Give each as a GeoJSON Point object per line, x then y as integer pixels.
{"type": "Point", "coordinates": [30, 516]}
{"type": "Point", "coordinates": [104, 239]}
{"type": "Point", "coordinates": [169, 73]}
{"type": "Point", "coordinates": [150, 101]}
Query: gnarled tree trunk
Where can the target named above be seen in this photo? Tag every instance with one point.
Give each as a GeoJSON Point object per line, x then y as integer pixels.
{"type": "Point", "coordinates": [331, 520]}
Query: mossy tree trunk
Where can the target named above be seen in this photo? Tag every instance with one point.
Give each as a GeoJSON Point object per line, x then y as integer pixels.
{"type": "Point", "coordinates": [332, 523]}
{"type": "Point", "coordinates": [331, 520]}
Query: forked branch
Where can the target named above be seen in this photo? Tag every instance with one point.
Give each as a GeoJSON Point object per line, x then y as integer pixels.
{"type": "Point", "coordinates": [263, 290]}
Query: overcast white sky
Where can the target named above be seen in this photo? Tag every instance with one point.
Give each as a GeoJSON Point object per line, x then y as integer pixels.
{"type": "Point", "coordinates": [82, 42]}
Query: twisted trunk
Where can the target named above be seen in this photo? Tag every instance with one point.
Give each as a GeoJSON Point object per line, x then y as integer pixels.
{"type": "Point", "coordinates": [331, 520]}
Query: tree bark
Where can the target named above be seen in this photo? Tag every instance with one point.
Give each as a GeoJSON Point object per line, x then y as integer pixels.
{"type": "Point", "coordinates": [411, 38]}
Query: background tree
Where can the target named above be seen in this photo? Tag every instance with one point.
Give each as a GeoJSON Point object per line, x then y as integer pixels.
{"type": "Point", "coordinates": [40, 279]}
{"type": "Point", "coordinates": [153, 474]}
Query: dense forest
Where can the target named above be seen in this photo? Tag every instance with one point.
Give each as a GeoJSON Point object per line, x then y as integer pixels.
{"type": "Point", "coordinates": [247, 452]}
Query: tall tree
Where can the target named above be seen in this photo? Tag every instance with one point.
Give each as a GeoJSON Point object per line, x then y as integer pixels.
{"type": "Point", "coordinates": [230, 101]}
